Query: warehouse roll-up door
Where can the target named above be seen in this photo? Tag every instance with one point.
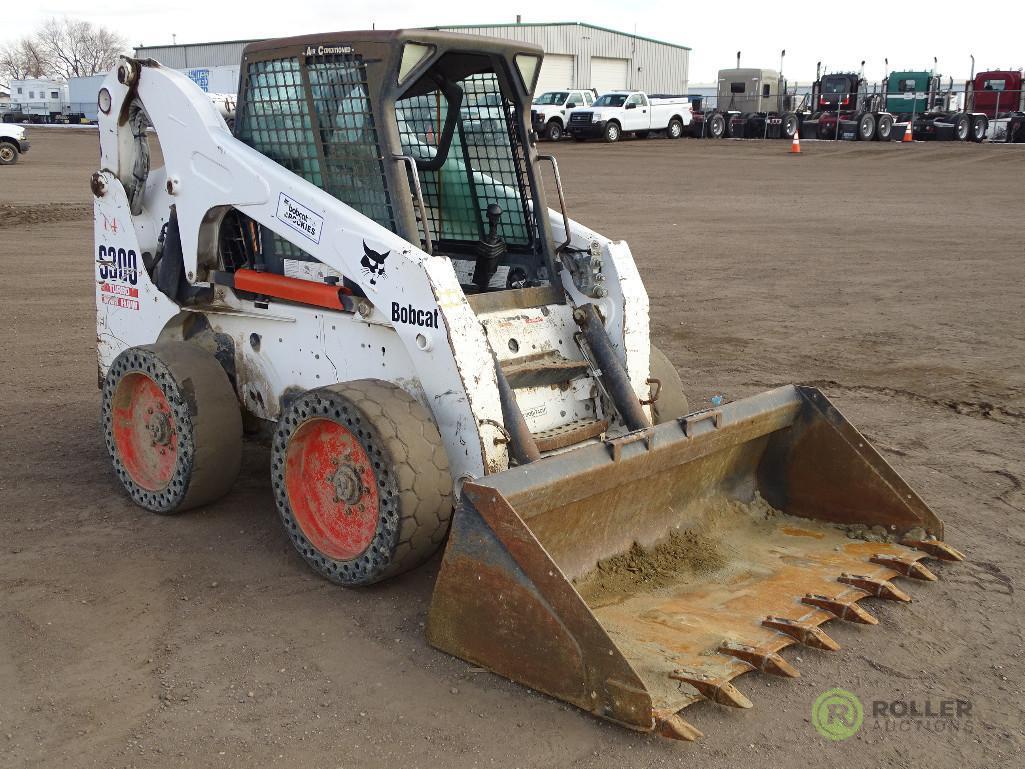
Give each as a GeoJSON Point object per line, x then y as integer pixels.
{"type": "Point", "coordinates": [556, 73]}
{"type": "Point", "coordinates": [608, 74]}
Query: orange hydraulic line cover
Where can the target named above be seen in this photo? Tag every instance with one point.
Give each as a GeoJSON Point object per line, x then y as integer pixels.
{"type": "Point", "coordinates": [293, 289]}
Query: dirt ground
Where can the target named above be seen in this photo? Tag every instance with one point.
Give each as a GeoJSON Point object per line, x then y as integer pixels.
{"type": "Point", "coordinates": [889, 275]}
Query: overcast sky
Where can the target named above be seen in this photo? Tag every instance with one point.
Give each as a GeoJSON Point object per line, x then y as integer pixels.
{"type": "Point", "coordinates": [909, 33]}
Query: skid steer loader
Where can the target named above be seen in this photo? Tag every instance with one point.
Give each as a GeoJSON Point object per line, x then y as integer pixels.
{"type": "Point", "coordinates": [367, 274]}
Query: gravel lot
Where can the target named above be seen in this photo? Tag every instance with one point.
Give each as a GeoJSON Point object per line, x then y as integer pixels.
{"type": "Point", "coordinates": [889, 275]}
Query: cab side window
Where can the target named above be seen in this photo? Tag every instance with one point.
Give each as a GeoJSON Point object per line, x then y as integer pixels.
{"type": "Point", "coordinates": [588, 98]}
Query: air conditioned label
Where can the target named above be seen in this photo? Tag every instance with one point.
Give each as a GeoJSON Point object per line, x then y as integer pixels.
{"type": "Point", "coordinates": [299, 218]}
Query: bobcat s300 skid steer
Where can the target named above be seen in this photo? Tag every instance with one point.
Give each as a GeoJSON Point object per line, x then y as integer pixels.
{"type": "Point", "coordinates": [367, 273]}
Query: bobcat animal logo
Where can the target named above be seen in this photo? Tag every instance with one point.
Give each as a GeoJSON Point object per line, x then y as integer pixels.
{"type": "Point", "coordinates": [373, 263]}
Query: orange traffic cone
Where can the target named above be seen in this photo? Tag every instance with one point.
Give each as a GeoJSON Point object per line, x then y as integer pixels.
{"type": "Point", "coordinates": [795, 145]}
{"type": "Point", "coordinates": [907, 134]}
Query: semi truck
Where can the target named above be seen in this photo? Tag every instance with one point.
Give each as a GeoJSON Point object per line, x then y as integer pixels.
{"type": "Point", "coordinates": [990, 107]}
{"type": "Point", "coordinates": [999, 95]}
{"type": "Point", "coordinates": [751, 104]}
{"type": "Point", "coordinates": [843, 105]}
{"type": "Point", "coordinates": [617, 113]}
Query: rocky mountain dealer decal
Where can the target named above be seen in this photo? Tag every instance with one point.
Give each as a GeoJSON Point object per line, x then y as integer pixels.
{"type": "Point", "coordinates": [299, 218]}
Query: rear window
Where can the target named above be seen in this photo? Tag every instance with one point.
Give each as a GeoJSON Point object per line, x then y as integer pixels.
{"type": "Point", "coordinates": [737, 87]}
{"type": "Point", "coordinates": [994, 85]}
{"type": "Point", "coordinates": [907, 84]}
{"type": "Point", "coordinates": [836, 86]}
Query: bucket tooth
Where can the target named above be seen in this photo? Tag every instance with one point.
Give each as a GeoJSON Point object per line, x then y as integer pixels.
{"type": "Point", "coordinates": [675, 728]}
{"type": "Point", "coordinates": [760, 659]}
{"type": "Point", "coordinates": [908, 566]}
{"type": "Point", "coordinates": [878, 588]}
{"type": "Point", "coordinates": [802, 632]}
{"type": "Point", "coordinates": [714, 689]}
{"type": "Point", "coordinates": [935, 548]}
{"type": "Point", "coordinates": [841, 609]}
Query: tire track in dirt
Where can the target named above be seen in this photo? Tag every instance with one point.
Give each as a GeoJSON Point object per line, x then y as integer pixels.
{"type": "Point", "coordinates": [12, 215]}
{"type": "Point", "coordinates": [980, 409]}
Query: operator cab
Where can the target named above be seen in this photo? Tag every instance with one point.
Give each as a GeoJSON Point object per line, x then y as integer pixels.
{"type": "Point", "coordinates": [423, 132]}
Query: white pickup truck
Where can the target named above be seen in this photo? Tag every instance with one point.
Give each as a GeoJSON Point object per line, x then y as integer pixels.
{"type": "Point", "coordinates": [548, 111]}
{"type": "Point", "coordinates": [616, 113]}
{"type": "Point", "coordinates": [13, 142]}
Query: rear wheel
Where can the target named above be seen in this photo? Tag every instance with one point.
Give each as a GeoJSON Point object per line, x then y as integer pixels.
{"type": "Point", "coordinates": [884, 128]}
{"type": "Point", "coordinates": [866, 127]}
{"type": "Point", "coordinates": [979, 126]}
{"type": "Point", "coordinates": [172, 426]}
{"type": "Point", "coordinates": [717, 126]}
{"type": "Point", "coordinates": [613, 132]}
{"type": "Point", "coordinates": [671, 403]}
{"type": "Point", "coordinates": [361, 480]}
{"type": "Point", "coordinates": [962, 127]}
{"type": "Point", "coordinates": [735, 127]}
{"type": "Point", "coordinates": [790, 126]}
{"type": "Point", "coordinates": [8, 154]}
{"type": "Point", "coordinates": [553, 131]}
{"type": "Point", "coordinates": [675, 128]}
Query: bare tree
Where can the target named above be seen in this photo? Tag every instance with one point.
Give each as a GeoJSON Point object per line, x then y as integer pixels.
{"type": "Point", "coordinates": [22, 59]}
{"type": "Point", "coordinates": [73, 48]}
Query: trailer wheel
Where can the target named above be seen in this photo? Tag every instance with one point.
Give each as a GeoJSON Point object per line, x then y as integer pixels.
{"type": "Point", "coordinates": [866, 127]}
{"type": "Point", "coordinates": [717, 126]}
{"type": "Point", "coordinates": [553, 131]}
{"type": "Point", "coordinates": [672, 402]}
{"type": "Point", "coordinates": [884, 128]}
{"type": "Point", "coordinates": [613, 132]}
{"type": "Point", "coordinates": [979, 126]}
{"type": "Point", "coordinates": [361, 480]}
{"type": "Point", "coordinates": [790, 126]}
{"type": "Point", "coordinates": [961, 127]}
{"type": "Point", "coordinates": [8, 154]}
{"type": "Point", "coordinates": [172, 426]}
{"type": "Point", "coordinates": [675, 128]}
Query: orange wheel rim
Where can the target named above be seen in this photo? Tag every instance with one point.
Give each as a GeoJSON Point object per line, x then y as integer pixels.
{"type": "Point", "coordinates": [144, 432]}
{"type": "Point", "coordinates": [332, 489]}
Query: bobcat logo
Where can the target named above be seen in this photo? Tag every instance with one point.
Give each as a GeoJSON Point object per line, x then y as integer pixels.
{"type": "Point", "coordinates": [373, 263]}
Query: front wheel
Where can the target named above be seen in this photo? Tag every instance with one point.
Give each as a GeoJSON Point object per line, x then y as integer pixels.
{"type": "Point", "coordinates": [613, 132]}
{"type": "Point", "coordinates": [675, 129]}
{"type": "Point", "coordinates": [361, 480]}
{"type": "Point", "coordinates": [553, 131]}
{"type": "Point", "coordinates": [672, 402]}
{"type": "Point", "coordinates": [8, 154]}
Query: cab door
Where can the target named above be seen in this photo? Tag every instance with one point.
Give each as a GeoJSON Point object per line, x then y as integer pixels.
{"type": "Point", "coordinates": [636, 113]}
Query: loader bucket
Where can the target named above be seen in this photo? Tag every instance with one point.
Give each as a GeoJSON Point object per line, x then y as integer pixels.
{"type": "Point", "coordinates": [636, 577]}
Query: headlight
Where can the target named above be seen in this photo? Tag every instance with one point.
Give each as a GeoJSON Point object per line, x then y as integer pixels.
{"type": "Point", "coordinates": [595, 117]}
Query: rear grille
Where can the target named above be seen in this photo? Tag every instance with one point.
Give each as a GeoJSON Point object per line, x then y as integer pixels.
{"type": "Point", "coordinates": [579, 118]}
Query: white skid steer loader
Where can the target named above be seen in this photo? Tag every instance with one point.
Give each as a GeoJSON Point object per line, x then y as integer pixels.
{"type": "Point", "coordinates": [366, 274]}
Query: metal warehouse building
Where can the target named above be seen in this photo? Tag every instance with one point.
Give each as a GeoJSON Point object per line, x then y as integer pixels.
{"type": "Point", "coordinates": [577, 55]}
